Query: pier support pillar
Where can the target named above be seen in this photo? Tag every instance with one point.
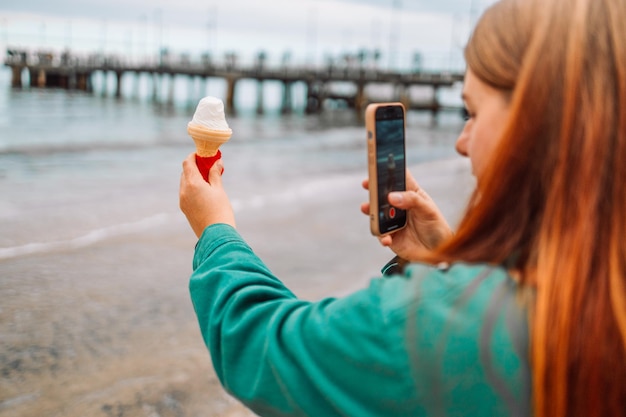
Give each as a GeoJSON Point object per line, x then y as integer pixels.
{"type": "Point", "coordinates": [360, 100]}
{"type": "Point", "coordinates": [170, 94]}
{"type": "Point", "coordinates": [314, 98]}
{"type": "Point", "coordinates": [41, 78]}
{"type": "Point", "coordinates": [105, 79]}
{"type": "Point", "coordinates": [203, 88]}
{"type": "Point", "coordinates": [72, 81]}
{"type": "Point", "coordinates": [404, 96]}
{"type": "Point", "coordinates": [286, 106]}
{"type": "Point", "coordinates": [435, 105]}
{"type": "Point", "coordinates": [16, 77]}
{"type": "Point", "coordinates": [191, 96]}
{"type": "Point", "coordinates": [81, 82]}
{"type": "Point", "coordinates": [136, 85]}
{"type": "Point", "coordinates": [231, 83]}
{"type": "Point", "coordinates": [88, 82]}
{"type": "Point", "coordinates": [118, 84]}
{"type": "Point", "coordinates": [260, 108]}
{"type": "Point", "coordinates": [155, 87]}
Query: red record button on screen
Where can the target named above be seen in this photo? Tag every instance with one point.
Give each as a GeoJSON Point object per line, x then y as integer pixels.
{"type": "Point", "coordinates": [392, 212]}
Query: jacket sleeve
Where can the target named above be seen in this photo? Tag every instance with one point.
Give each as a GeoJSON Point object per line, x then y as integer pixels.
{"type": "Point", "coordinates": [286, 357]}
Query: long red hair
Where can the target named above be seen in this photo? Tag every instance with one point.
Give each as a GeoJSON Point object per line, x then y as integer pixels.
{"type": "Point", "coordinates": [553, 198]}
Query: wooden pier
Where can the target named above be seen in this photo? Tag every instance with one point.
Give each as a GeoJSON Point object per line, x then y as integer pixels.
{"type": "Point", "coordinates": [74, 72]}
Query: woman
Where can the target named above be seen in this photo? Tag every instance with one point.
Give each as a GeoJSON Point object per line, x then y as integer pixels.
{"type": "Point", "coordinates": [526, 311]}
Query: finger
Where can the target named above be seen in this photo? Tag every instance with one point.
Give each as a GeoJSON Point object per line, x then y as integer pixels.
{"type": "Point", "coordinates": [365, 208]}
{"type": "Point", "coordinates": [190, 168]}
{"type": "Point", "coordinates": [385, 240]}
{"type": "Point", "coordinates": [366, 184]}
{"type": "Point", "coordinates": [215, 173]}
{"type": "Point", "coordinates": [407, 199]}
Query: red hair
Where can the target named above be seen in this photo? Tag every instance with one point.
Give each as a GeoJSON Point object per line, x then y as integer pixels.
{"type": "Point", "coordinates": [553, 197]}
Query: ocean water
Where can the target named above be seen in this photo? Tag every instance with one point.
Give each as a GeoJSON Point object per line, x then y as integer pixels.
{"type": "Point", "coordinates": [76, 168]}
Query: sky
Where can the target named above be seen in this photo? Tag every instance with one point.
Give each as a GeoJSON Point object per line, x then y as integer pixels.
{"type": "Point", "coordinates": [308, 31]}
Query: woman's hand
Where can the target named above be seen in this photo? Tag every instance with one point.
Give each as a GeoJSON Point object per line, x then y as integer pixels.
{"type": "Point", "coordinates": [426, 227]}
{"type": "Point", "coordinates": [204, 203]}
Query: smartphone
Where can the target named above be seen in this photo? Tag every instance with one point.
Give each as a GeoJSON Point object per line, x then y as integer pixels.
{"type": "Point", "coordinates": [385, 125]}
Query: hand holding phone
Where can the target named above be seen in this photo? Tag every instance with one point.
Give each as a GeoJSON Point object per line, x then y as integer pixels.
{"type": "Point", "coordinates": [385, 125]}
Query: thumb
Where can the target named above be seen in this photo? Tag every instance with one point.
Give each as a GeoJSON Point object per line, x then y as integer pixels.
{"type": "Point", "coordinates": [215, 173]}
{"type": "Point", "coordinates": [405, 199]}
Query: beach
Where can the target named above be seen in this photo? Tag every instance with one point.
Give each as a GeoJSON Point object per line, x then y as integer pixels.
{"type": "Point", "coordinates": [108, 329]}
{"type": "Point", "coordinates": [95, 256]}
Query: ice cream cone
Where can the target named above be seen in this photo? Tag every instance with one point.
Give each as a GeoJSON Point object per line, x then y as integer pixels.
{"type": "Point", "coordinates": [207, 143]}
{"type": "Point", "coordinates": [208, 140]}
{"type": "Point", "coordinates": [209, 131]}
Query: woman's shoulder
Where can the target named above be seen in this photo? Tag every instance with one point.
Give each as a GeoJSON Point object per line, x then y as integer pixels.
{"type": "Point", "coordinates": [467, 296]}
{"type": "Point", "coordinates": [466, 331]}
{"type": "Point", "coordinates": [444, 284]}
{"type": "Point", "coordinates": [461, 282]}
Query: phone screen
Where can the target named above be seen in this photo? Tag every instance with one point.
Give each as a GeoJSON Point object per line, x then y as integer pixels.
{"type": "Point", "coordinates": [390, 165]}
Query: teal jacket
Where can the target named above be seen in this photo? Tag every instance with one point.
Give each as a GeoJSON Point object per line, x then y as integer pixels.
{"type": "Point", "coordinates": [431, 342]}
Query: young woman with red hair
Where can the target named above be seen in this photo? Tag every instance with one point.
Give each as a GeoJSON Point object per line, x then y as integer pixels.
{"type": "Point", "coordinates": [525, 310]}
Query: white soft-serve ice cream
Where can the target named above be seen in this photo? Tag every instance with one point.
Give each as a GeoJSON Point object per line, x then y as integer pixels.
{"type": "Point", "coordinates": [208, 128]}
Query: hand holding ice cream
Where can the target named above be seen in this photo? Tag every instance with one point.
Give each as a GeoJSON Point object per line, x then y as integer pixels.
{"type": "Point", "coordinates": [209, 130]}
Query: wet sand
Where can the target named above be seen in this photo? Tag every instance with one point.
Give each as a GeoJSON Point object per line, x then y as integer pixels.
{"type": "Point", "coordinates": [109, 330]}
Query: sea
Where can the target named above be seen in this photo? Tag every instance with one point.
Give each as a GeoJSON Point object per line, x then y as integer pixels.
{"type": "Point", "coordinates": [78, 167]}
{"type": "Point", "coordinates": [95, 255]}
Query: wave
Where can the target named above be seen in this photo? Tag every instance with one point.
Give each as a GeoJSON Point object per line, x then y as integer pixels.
{"type": "Point", "coordinates": [91, 238]}
{"type": "Point", "coordinates": [43, 149]}
{"type": "Point", "coordinates": [322, 189]}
